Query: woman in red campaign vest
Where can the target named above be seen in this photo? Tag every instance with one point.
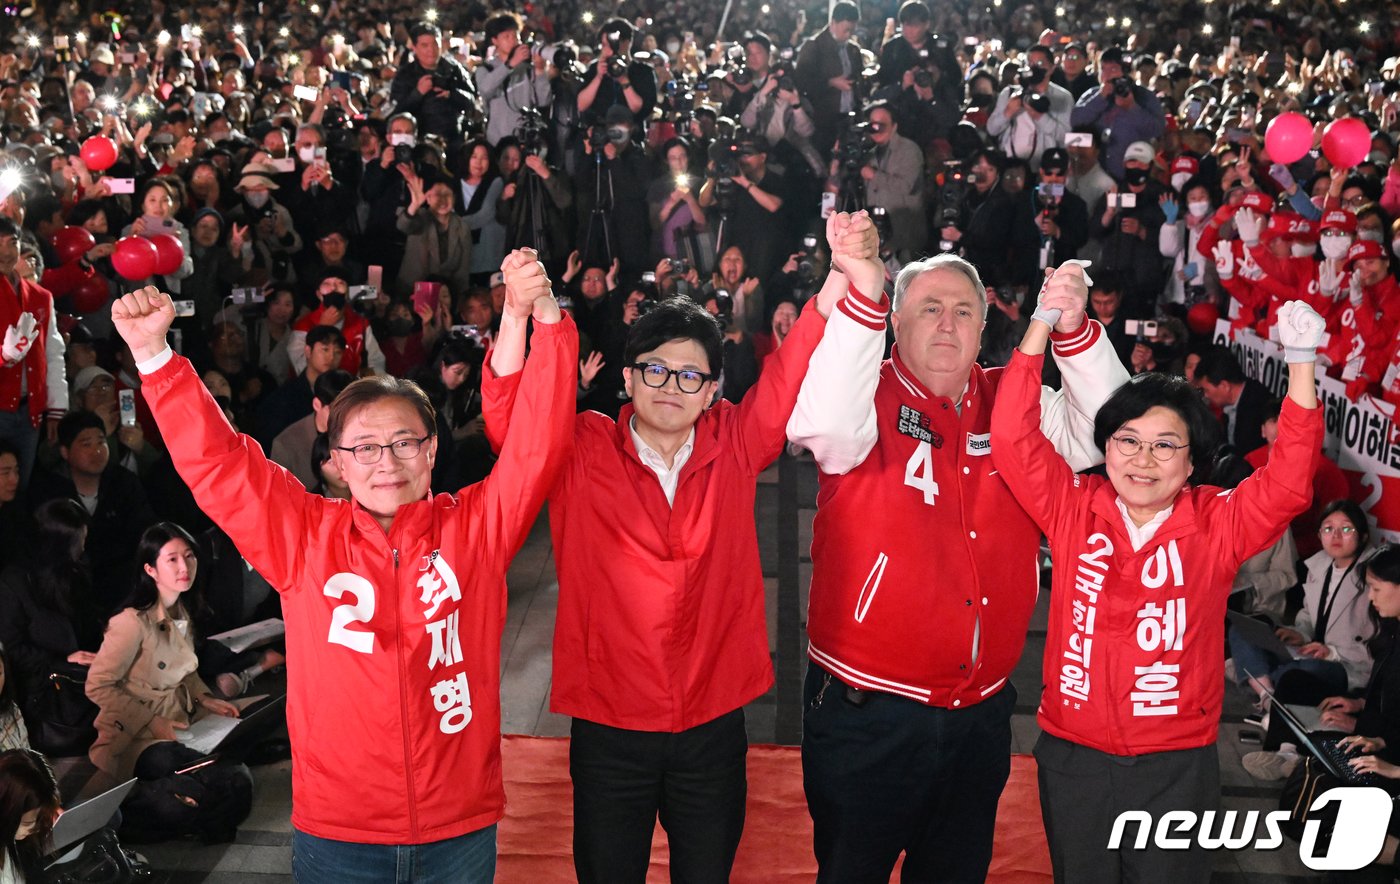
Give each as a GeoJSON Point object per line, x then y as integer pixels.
{"type": "Point", "coordinates": [1143, 564]}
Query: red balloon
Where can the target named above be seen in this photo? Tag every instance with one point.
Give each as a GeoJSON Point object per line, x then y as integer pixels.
{"type": "Point", "coordinates": [1346, 142]}
{"type": "Point", "coordinates": [135, 257]}
{"type": "Point", "coordinates": [99, 152]}
{"type": "Point", "coordinates": [1289, 137]}
{"type": "Point", "coordinates": [1201, 318]}
{"type": "Point", "coordinates": [71, 243]}
{"type": "Point", "coordinates": [91, 294]}
{"type": "Point", "coordinates": [170, 252]}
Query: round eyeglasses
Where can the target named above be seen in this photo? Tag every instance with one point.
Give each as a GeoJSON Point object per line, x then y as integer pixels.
{"type": "Point", "coordinates": [687, 379]}
{"type": "Point", "coordinates": [1162, 450]}
{"type": "Point", "coordinates": [371, 452]}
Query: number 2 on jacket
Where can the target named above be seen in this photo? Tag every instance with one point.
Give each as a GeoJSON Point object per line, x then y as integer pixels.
{"type": "Point", "coordinates": [918, 472]}
{"type": "Point", "coordinates": [359, 611]}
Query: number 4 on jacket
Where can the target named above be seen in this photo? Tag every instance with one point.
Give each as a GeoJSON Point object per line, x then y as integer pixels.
{"type": "Point", "coordinates": [918, 472]}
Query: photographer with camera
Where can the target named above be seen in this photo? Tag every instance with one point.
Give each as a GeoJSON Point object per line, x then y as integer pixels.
{"type": "Point", "coordinates": [740, 358]}
{"type": "Point", "coordinates": [512, 80]}
{"type": "Point", "coordinates": [894, 181]}
{"type": "Point", "coordinates": [673, 204]}
{"type": "Point", "coordinates": [615, 79]}
{"type": "Point", "coordinates": [384, 192]}
{"type": "Point", "coordinates": [779, 113]}
{"type": "Point", "coordinates": [749, 196]}
{"type": "Point", "coordinates": [751, 75]}
{"type": "Point", "coordinates": [534, 201]}
{"type": "Point", "coordinates": [915, 47]}
{"type": "Point", "coordinates": [1127, 223]}
{"type": "Point", "coordinates": [267, 255]}
{"type": "Point", "coordinates": [610, 189]}
{"type": "Point", "coordinates": [435, 88]}
{"type": "Point", "coordinates": [973, 213]}
{"type": "Point", "coordinates": [1050, 224]}
{"type": "Point", "coordinates": [1122, 111]}
{"type": "Point", "coordinates": [828, 72]}
{"type": "Point", "coordinates": [1032, 116]}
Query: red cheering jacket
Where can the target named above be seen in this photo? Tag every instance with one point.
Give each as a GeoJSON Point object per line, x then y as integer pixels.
{"type": "Point", "coordinates": [1133, 660]}
{"type": "Point", "coordinates": [352, 325]}
{"type": "Point", "coordinates": [661, 625]}
{"type": "Point", "coordinates": [924, 568]}
{"type": "Point", "coordinates": [393, 641]}
{"type": "Point", "coordinates": [40, 373]}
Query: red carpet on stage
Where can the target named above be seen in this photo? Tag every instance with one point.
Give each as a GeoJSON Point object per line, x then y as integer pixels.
{"type": "Point", "coordinates": [535, 835]}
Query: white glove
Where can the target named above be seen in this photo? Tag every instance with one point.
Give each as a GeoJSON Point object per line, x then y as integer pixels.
{"type": "Point", "coordinates": [1354, 292]}
{"type": "Point", "coordinates": [1249, 268]}
{"type": "Point", "coordinates": [19, 338]}
{"type": "Point", "coordinates": [1051, 315]}
{"type": "Point", "coordinates": [1299, 331]}
{"type": "Point", "coordinates": [1329, 277]}
{"type": "Point", "coordinates": [1224, 260]}
{"type": "Point", "coordinates": [1248, 223]}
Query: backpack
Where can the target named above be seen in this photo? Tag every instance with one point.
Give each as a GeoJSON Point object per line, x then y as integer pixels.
{"type": "Point", "coordinates": [208, 804]}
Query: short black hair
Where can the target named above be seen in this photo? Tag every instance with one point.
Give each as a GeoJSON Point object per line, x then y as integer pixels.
{"type": "Point", "coordinates": [1218, 364]}
{"type": "Point", "coordinates": [914, 11]}
{"type": "Point", "coordinates": [500, 23]}
{"type": "Point", "coordinates": [1043, 50]}
{"type": "Point", "coordinates": [425, 28]}
{"type": "Point", "coordinates": [845, 10]}
{"type": "Point", "coordinates": [677, 319]}
{"type": "Point", "coordinates": [1108, 281]}
{"type": "Point", "coordinates": [758, 37]}
{"type": "Point", "coordinates": [1154, 389]}
{"type": "Point", "coordinates": [74, 422]}
{"type": "Point", "coordinates": [884, 105]}
{"type": "Point", "coordinates": [622, 26]}
{"type": "Point", "coordinates": [8, 227]}
{"type": "Point", "coordinates": [329, 385]}
{"type": "Point", "coordinates": [320, 334]}
{"type": "Point", "coordinates": [1272, 409]}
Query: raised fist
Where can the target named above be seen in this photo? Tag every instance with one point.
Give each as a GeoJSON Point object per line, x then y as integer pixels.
{"type": "Point", "coordinates": [1299, 331]}
{"type": "Point", "coordinates": [526, 282]}
{"type": "Point", "coordinates": [142, 318]}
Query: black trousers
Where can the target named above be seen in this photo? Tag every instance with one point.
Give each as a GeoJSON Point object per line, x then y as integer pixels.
{"type": "Point", "coordinates": [695, 781]}
{"type": "Point", "coordinates": [894, 776]}
{"type": "Point", "coordinates": [1083, 790]}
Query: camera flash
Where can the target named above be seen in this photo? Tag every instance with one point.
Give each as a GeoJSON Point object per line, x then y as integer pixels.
{"type": "Point", "coordinates": [587, 18]}
{"type": "Point", "coordinates": [32, 42]}
{"type": "Point", "coordinates": [431, 14]}
{"type": "Point", "coordinates": [238, 30]}
{"type": "Point", "coordinates": [284, 31]}
{"type": "Point", "coordinates": [10, 180]}
{"type": "Point", "coordinates": [162, 38]}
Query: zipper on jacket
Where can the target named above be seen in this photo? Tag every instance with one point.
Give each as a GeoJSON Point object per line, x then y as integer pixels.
{"type": "Point", "coordinates": [403, 708]}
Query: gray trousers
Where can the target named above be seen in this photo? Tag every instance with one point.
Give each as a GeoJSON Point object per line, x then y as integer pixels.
{"type": "Point", "coordinates": [1083, 790]}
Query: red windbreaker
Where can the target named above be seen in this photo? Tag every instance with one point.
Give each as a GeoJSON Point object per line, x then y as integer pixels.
{"type": "Point", "coordinates": [393, 641]}
{"type": "Point", "coordinates": [1132, 653]}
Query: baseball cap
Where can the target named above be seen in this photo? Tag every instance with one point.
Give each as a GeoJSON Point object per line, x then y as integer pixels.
{"type": "Point", "coordinates": [1338, 219]}
{"type": "Point", "coordinates": [1054, 158]}
{"type": "Point", "coordinates": [1139, 152]}
{"type": "Point", "coordinates": [1362, 249]}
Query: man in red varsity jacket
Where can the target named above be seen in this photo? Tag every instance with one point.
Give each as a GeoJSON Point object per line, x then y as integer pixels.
{"type": "Point", "coordinates": [924, 572]}
{"type": "Point", "coordinates": [33, 385]}
{"type": "Point", "coordinates": [394, 600]}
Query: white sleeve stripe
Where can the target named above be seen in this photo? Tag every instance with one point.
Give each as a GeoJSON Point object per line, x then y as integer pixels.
{"type": "Point", "coordinates": [861, 315]}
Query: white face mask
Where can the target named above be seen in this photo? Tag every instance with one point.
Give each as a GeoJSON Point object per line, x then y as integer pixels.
{"type": "Point", "coordinates": [256, 198]}
{"type": "Point", "coordinates": [1179, 179]}
{"type": "Point", "coordinates": [1370, 235]}
{"type": "Point", "coordinates": [673, 48]}
{"type": "Point", "coordinates": [306, 154]}
{"type": "Point", "coordinates": [1200, 209]}
{"type": "Point", "coordinates": [397, 138]}
{"type": "Point", "coordinates": [1335, 247]}
{"type": "Point", "coordinates": [1303, 249]}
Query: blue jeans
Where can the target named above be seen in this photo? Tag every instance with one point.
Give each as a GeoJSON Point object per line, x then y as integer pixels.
{"type": "Point", "coordinates": [1330, 676]}
{"type": "Point", "coordinates": [16, 429]}
{"type": "Point", "coordinates": [466, 859]}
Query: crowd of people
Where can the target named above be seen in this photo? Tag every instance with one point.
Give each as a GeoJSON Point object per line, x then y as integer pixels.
{"type": "Point", "coordinates": [356, 202]}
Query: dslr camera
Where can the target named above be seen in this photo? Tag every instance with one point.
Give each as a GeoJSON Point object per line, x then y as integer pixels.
{"type": "Point", "coordinates": [1122, 87]}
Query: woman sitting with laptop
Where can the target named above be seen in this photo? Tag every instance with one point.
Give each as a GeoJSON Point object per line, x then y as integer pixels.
{"type": "Point", "coordinates": [1329, 635]}
{"type": "Point", "coordinates": [144, 679]}
{"type": "Point", "coordinates": [29, 803]}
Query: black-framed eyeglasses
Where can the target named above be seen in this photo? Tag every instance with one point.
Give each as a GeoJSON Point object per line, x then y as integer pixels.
{"type": "Point", "coordinates": [688, 380]}
{"type": "Point", "coordinates": [372, 452]}
{"type": "Point", "coordinates": [1162, 450]}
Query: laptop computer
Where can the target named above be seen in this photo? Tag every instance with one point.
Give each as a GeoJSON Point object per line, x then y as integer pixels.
{"type": "Point", "coordinates": [1261, 635]}
{"type": "Point", "coordinates": [232, 738]}
{"type": "Point", "coordinates": [1333, 758]}
{"type": "Point", "coordinates": [86, 817]}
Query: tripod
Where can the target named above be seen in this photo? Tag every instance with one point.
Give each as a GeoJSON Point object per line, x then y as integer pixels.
{"type": "Point", "coordinates": [598, 220]}
{"type": "Point", "coordinates": [529, 224]}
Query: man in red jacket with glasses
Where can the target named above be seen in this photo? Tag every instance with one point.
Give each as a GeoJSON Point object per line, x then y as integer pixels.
{"type": "Point", "coordinates": [660, 637]}
{"type": "Point", "coordinates": [394, 601]}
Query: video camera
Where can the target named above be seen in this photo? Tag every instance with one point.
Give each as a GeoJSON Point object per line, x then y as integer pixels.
{"type": "Point", "coordinates": [807, 261]}
{"type": "Point", "coordinates": [855, 145]}
{"type": "Point", "coordinates": [951, 210]}
{"type": "Point", "coordinates": [533, 131]}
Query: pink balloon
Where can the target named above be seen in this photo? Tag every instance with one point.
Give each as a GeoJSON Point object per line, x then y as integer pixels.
{"type": "Point", "coordinates": [1288, 138]}
{"type": "Point", "coordinates": [170, 253]}
{"type": "Point", "coordinates": [99, 153]}
{"type": "Point", "coordinates": [1346, 142]}
{"type": "Point", "coordinates": [135, 257]}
